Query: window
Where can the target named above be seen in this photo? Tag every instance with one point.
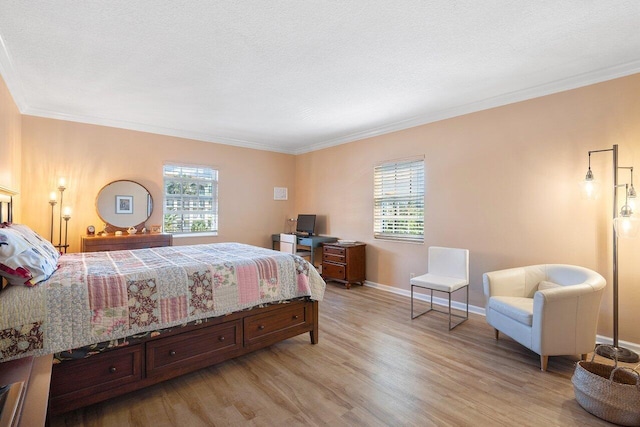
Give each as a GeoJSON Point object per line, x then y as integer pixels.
{"type": "Point", "coordinates": [398, 192]}
{"type": "Point", "coordinates": [190, 199]}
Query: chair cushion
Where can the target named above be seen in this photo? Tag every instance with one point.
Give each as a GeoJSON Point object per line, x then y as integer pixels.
{"type": "Point", "coordinates": [544, 285]}
{"type": "Point", "coordinates": [439, 283]}
{"type": "Point", "coordinates": [516, 308]}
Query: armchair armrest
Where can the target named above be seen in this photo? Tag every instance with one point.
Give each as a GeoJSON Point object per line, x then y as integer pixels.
{"type": "Point", "coordinates": [565, 319]}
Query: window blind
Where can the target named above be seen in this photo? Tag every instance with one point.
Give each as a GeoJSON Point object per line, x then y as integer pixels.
{"type": "Point", "coordinates": [399, 200]}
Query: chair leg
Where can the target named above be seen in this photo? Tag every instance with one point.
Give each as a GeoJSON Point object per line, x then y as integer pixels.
{"type": "Point", "coordinates": [467, 301]}
{"type": "Point", "coordinates": [583, 356]}
{"type": "Point", "coordinates": [449, 310]}
{"type": "Point", "coordinates": [464, 318]}
{"type": "Point", "coordinates": [412, 301]}
{"type": "Point", "coordinates": [497, 334]}
{"type": "Point", "coordinates": [544, 360]}
{"type": "Point", "coordinates": [414, 316]}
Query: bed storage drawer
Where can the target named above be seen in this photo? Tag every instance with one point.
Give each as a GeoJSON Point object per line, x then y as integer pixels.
{"type": "Point", "coordinates": [101, 372]}
{"type": "Point", "coordinates": [271, 326]}
{"type": "Point", "coordinates": [79, 383]}
{"type": "Point", "coordinates": [189, 351]}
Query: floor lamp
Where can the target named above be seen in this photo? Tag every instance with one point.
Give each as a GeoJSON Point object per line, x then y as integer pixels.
{"type": "Point", "coordinates": [625, 225]}
{"type": "Point", "coordinates": [65, 214]}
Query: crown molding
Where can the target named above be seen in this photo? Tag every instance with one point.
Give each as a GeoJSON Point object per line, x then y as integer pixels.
{"type": "Point", "coordinates": [159, 130]}
{"type": "Point", "coordinates": [550, 88]}
{"type": "Point", "coordinates": [5, 191]}
{"type": "Point", "coordinates": [14, 84]}
{"type": "Point", "coordinates": [11, 79]}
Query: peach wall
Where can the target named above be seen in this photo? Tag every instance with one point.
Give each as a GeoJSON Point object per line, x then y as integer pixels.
{"type": "Point", "coordinates": [502, 183]}
{"type": "Point", "coordinates": [10, 144]}
{"type": "Point", "coordinates": [91, 156]}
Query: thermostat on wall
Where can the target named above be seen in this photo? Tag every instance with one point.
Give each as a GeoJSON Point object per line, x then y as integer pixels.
{"type": "Point", "coordinates": [280, 193]}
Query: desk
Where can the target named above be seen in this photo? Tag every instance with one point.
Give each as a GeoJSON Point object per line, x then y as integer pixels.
{"type": "Point", "coordinates": [312, 241]}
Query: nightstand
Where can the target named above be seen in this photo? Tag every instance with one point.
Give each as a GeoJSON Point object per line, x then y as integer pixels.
{"type": "Point", "coordinates": [344, 262]}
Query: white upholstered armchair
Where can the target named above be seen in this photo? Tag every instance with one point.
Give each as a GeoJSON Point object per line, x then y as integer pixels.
{"type": "Point", "coordinates": [551, 309]}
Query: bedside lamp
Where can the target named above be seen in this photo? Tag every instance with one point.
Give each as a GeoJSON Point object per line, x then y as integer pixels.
{"type": "Point", "coordinates": [64, 213]}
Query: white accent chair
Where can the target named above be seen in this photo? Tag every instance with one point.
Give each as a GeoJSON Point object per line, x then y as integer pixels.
{"type": "Point", "coordinates": [289, 244]}
{"type": "Point", "coordinates": [551, 309]}
{"type": "Point", "coordinates": [448, 271]}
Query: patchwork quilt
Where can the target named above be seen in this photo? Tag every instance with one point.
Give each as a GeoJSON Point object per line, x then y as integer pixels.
{"type": "Point", "coordinates": [101, 296]}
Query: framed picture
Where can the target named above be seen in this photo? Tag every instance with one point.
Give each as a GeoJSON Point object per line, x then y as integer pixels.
{"type": "Point", "coordinates": [124, 204]}
{"type": "Point", "coordinates": [156, 228]}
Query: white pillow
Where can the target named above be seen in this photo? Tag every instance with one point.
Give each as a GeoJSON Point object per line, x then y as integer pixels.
{"type": "Point", "coordinates": [544, 285]}
{"type": "Point", "coordinates": [25, 257]}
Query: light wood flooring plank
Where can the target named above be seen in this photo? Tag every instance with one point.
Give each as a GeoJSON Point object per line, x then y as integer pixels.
{"type": "Point", "coordinates": [373, 366]}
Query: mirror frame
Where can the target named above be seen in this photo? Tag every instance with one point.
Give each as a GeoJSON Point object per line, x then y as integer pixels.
{"type": "Point", "coordinates": [110, 228]}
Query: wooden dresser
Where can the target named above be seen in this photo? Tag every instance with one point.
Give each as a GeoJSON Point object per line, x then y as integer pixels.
{"type": "Point", "coordinates": [125, 242]}
{"type": "Point", "coordinates": [344, 262]}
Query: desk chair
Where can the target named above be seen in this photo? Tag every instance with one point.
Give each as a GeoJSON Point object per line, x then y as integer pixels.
{"type": "Point", "coordinates": [289, 244]}
{"type": "Point", "coordinates": [448, 272]}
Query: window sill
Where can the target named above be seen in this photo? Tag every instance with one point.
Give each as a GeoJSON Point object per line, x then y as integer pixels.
{"type": "Point", "coordinates": [391, 239]}
{"type": "Point", "coordinates": [202, 234]}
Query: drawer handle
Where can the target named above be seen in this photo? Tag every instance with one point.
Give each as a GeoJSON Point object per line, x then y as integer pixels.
{"type": "Point", "coordinates": [172, 353]}
{"type": "Point", "coordinates": [295, 317]}
{"type": "Point", "coordinates": [112, 369]}
{"type": "Point", "coordinates": [221, 338]}
{"type": "Point", "coordinates": [261, 327]}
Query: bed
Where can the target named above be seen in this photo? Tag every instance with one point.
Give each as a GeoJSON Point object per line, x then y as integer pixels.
{"type": "Point", "coordinates": [119, 321]}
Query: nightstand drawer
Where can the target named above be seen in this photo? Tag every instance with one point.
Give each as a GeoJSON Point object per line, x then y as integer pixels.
{"type": "Point", "coordinates": [333, 258]}
{"type": "Point", "coordinates": [333, 250]}
{"type": "Point", "coordinates": [334, 271]}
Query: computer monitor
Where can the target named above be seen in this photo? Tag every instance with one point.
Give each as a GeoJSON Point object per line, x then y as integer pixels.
{"type": "Point", "coordinates": [306, 224]}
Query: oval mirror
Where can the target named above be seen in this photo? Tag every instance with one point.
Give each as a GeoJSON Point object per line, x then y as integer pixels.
{"type": "Point", "coordinates": [124, 204]}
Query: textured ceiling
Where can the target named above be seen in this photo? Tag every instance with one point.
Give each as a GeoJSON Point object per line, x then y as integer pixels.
{"type": "Point", "coordinates": [295, 76]}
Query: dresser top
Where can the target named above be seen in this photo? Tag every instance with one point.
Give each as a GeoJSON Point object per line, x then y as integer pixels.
{"type": "Point", "coordinates": [345, 245]}
{"type": "Point", "coordinates": [126, 236]}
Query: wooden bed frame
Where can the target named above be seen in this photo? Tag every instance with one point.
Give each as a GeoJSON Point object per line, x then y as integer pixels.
{"type": "Point", "coordinates": [82, 382]}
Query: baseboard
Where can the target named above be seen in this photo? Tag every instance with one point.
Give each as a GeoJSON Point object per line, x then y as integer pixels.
{"type": "Point", "coordinates": [479, 310]}
{"type": "Point", "coordinates": [425, 297]}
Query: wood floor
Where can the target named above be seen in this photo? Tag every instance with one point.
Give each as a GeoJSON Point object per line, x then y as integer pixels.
{"type": "Point", "coordinates": [373, 366]}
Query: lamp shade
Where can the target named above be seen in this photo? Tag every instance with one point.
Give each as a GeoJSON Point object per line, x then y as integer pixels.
{"type": "Point", "coordinates": [626, 226]}
{"type": "Point", "coordinates": [590, 189]}
{"type": "Point", "coordinates": [633, 203]}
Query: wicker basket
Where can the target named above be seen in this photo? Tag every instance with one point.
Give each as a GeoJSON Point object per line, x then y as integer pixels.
{"type": "Point", "coordinates": [608, 392]}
